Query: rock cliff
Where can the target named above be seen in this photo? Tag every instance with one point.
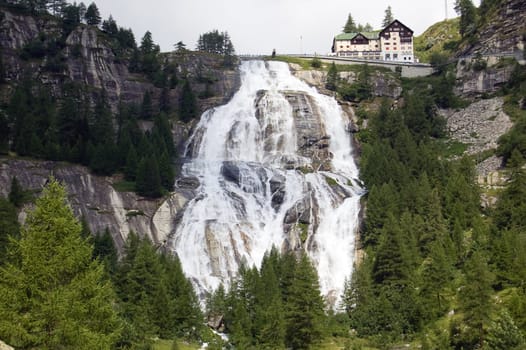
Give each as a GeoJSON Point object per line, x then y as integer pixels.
{"type": "Point", "coordinates": [89, 59]}
{"type": "Point", "coordinates": [95, 199]}
{"type": "Point", "coordinates": [503, 30]}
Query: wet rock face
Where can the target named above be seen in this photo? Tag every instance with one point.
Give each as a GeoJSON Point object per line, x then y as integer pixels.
{"type": "Point", "coordinates": [277, 190]}
{"type": "Point", "coordinates": [95, 199]}
{"type": "Point", "coordinates": [312, 139]}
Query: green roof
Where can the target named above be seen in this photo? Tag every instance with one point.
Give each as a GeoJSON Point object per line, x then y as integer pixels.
{"type": "Point", "coordinates": [349, 36]}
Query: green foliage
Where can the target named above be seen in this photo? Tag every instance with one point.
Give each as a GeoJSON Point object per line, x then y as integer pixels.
{"type": "Point", "coordinates": [16, 194]}
{"type": "Point", "coordinates": [305, 315]}
{"type": "Point", "coordinates": [9, 227]}
{"type": "Point", "coordinates": [361, 89]}
{"type": "Point", "coordinates": [504, 334]}
{"type": "Point", "coordinates": [331, 80]}
{"type": "Point", "coordinates": [315, 63]}
{"type": "Point", "coordinates": [53, 284]}
{"type": "Point", "coordinates": [441, 39]}
{"type": "Point", "coordinates": [388, 17]}
{"type": "Point", "coordinates": [216, 43]}
{"type": "Point", "coordinates": [188, 109]}
{"type": "Point", "coordinates": [148, 182]}
{"type": "Point", "coordinates": [350, 25]}
{"type": "Point", "coordinates": [156, 298]}
{"type": "Point", "coordinates": [468, 17]}
{"type": "Point", "coordinates": [277, 307]}
{"type": "Point", "coordinates": [92, 15]}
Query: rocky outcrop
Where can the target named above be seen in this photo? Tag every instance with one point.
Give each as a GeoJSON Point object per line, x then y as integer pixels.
{"type": "Point", "coordinates": [383, 84]}
{"type": "Point", "coordinates": [311, 137]}
{"type": "Point", "coordinates": [4, 346]}
{"type": "Point", "coordinates": [479, 125]}
{"type": "Point", "coordinates": [503, 32]}
{"type": "Point", "coordinates": [95, 199]}
{"type": "Point", "coordinates": [90, 60]}
{"type": "Point", "coordinates": [482, 75]}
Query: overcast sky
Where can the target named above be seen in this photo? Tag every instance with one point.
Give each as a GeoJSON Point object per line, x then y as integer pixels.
{"type": "Point", "coordinates": [258, 26]}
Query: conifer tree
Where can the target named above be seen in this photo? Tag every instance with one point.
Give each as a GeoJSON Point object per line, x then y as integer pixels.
{"type": "Point", "coordinates": [350, 25]}
{"type": "Point", "coordinates": [9, 227]}
{"type": "Point", "coordinates": [269, 321]}
{"type": "Point", "coordinates": [475, 300]}
{"type": "Point", "coordinates": [305, 317]}
{"type": "Point", "coordinates": [16, 194]}
{"type": "Point", "coordinates": [92, 15]}
{"type": "Point", "coordinates": [188, 104]}
{"type": "Point", "coordinates": [468, 17]}
{"type": "Point", "coordinates": [148, 182]}
{"type": "Point", "coordinates": [388, 17]}
{"type": "Point", "coordinates": [331, 82]}
{"type": "Point", "coordinates": [53, 294]}
{"type": "Point", "coordinates": [104, 249]}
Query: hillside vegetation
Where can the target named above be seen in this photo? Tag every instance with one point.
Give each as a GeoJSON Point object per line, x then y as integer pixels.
{"type": "Point", "coordinates": [442, 38]}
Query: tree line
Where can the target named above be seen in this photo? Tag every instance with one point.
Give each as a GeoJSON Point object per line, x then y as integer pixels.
{"type": "Point", "coordinates": [36, 125]}
{"type": "Point", "coordinates": [63, 287]}
{"type": "Point", "coordinates": [351, 26]}
{"type": "Point", "coordinates": [438, 268]}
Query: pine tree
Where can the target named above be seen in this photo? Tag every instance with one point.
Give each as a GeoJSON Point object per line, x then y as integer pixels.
{"type": "Point", "coordinates": [92, 15]}
{"type": "Point", "coordinates": [104, 249]}
{"type": "Point", "coordinates": [388, 18]}
{"type": "Point", "coordinates": [148, 181]}
{"type": "Point", "coordinates": [503, 334]}
{"type": "Point", "coordinates": [475, 300]}
{"type": "Point", "coordinates": [188, 104]}
{"type": "Point", "coordinates": [269, 321]}
{"type": "Point", "coordinates": [130, 169]}
{"type": "Point", "coordinates": [468, 17]}
{"type": "Point", "coordinates": [9, 227]}
{"type": "Point", "coordinates": [391, 263]}
{"type": "Point", "coordinates": [53, 295]}
{"type": "Point", "coordinates": [350, 25]}
{"type": "Point", "coordinates": [166, 172]}
{"type": "Point", "coordinates": [146, 106]}
{"type": "Point", "coordinates": [110, 26]}
{"type": "Point", "coordinates": [331, 81]}
{"type": "Point", "coordinates": [305, 315]}
{"type": "Point", "coordinates": [17, 193]}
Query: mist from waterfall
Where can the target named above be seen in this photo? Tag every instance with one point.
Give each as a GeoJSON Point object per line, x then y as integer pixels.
{"type": "Point", "coordinates": [254, 191]}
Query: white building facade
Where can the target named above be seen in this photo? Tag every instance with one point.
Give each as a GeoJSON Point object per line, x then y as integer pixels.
{"type": "Point", "coordinates": [393, 43]}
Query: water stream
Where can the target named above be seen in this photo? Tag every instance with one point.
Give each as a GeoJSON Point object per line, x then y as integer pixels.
{"type": "Point", "coordinates": [275, 167]}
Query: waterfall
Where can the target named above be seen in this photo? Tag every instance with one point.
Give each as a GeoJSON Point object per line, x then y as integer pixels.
{"type": "Point", "coordinates": [275, 168]}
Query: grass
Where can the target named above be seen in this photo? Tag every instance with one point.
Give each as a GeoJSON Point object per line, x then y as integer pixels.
{"type": "Point", "coordinates": [330, 181]}
{"type": "Point", "coordinates": [304, 234]}
{"type": "Point", "coordinates": [163, 344]}
{"type": "Point", "coordinates": [511, 107]}
{"type": "Point", "coordinates": [124, 186]}
{"type": "Point", "coordinates": [305, 63]}
{"type": "Point", "coordinates": [454, 149]}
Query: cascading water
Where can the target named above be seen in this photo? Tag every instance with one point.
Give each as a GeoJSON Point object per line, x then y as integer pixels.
{"type": "Point", "coordinates": [275, 168]}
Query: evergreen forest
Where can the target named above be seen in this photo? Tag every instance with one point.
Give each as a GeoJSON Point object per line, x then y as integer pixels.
{"type": "Point", "coordinates": [439, 270]}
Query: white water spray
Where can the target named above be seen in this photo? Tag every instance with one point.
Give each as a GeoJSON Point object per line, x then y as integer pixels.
{"type": "Point", "coordinates": [246, 155]}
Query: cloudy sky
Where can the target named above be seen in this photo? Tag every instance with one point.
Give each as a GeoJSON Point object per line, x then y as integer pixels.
{"type": "Point", "coordinates": [258, 26]}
